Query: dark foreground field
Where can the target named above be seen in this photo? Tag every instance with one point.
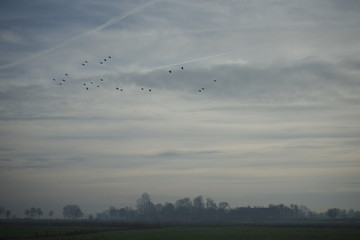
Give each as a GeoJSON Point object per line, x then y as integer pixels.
{"type": "Point", "coordinates": [151, 232]}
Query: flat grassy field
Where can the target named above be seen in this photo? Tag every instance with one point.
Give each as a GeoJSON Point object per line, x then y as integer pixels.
{"type": "Point", "coordinates": [181, 233]}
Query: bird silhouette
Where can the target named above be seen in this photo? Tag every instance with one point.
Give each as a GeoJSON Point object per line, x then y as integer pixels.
{"type": "Point", "coordinates": [98, 83]}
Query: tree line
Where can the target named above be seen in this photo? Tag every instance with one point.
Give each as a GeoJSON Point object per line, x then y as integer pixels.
{"type": "Point", "coordinates": [202, 209]}
{"type": "Point", "coordinates": [199, 209]}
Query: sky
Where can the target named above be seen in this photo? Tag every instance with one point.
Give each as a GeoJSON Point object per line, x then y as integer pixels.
{"type": "Point", "coordinates": [281, 123]}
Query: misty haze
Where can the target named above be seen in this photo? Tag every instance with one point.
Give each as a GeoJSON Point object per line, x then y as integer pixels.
{"type": "Point", "coordinates": [180, 111]}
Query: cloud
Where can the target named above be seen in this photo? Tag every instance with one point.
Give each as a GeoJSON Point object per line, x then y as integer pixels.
{"type": "Point", "coordinates": [108, 23]}
{"type": "Point", "coordinates": [5, 159]}
{"type": "Point", "coordinates": [284, 107]}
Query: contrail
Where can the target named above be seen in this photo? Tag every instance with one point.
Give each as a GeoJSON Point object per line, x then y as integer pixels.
{"type": "Point", "coordinates": [193, 60]}
{"type": "Point", "coordinates": [110, 22]}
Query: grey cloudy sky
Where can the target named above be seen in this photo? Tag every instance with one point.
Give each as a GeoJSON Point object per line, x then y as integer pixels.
{"type": "Point", "coordinates": [280, 125]}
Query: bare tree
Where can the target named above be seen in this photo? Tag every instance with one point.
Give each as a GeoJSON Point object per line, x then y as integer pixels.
{"type": "Point", "coordinates": [333, 213]}
{"type": "Point", "coordinates": [224, 206]}
{"type": "Point", "coordinates": [210, 204]}
{"type": "Point", "coordinates": [8, 214]}
{"type": "Point", "coordinates": [72, 211]}
{"type": "Point", "coordinates": [2, 211]}
{"type": "Point", "coordinates": [39, 212]}
{"type": "Point", "coordinates": [145, 207]}
{"type": "Point", "coordinates": [33, 212]}
{"type": "Point", "coordinates": [198, 203]}
{"type": "Point", "coordinates": [51, 213]}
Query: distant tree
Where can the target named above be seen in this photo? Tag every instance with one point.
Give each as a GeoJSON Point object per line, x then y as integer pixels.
{"type": "Point", "coordinates": [183, 208]}
{"type": "Point", "coordinates": [8, 214]}
{"type": "Point", "coordinates": [184, 203]}
{"type": "Point", "coordinates": [158, 207]}
{"type": "Point", "coordinates": [198, 203]}
{"type": "Point", "coordinates": [304, 211]}
{"type": "Point", "coordinates": [224, 206]}
{"type": "Point", "coordinates": [30, 212]}
{"type": "Point", "coordinates": [210, 204]}
{"type": "Point", "coordinates": [145, 207]}
{"type": "Point", "coordinates": [343, 213]}
{"type": "Point", "coordinates": [2, 211]}
{"type": "Point", "coordinates": [351, 213]}
{"type": "Point", "coordinates": [333, 213]}
{"type": "Point", "coordinates": [143, 203]}
{"type": "Point", "coordinates": [168, 212]}
{"type": "Point", "coordinates": [51, 213]}
{"type": "Point", "coordinates": [72, 211]}
{"type": "Point", "coordinates": [295, 210]}
{"type": "Point", "coordinates": [112, 212]}
{"type": "Point", "coordinates": [33, 212]}
{"type": "Point", "coordinates": [39, 212]}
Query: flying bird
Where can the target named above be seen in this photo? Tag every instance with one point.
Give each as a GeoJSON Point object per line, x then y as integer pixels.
{"type": "Point", "coordinates": [83, 64]}
{"type": "Point", "coordinates": [54, 79]}
{"type": "Point", "coordinates": [109, 57]}
{"type": "Point", "coordinates": [169, 71]}
{"type": "Point", "coordinates": [215, 80]}
{"type": "Point", "coordinates": [182, 68]}
{"type": "Point", "coordinates": [66, 74]}
{"type": "Point", "coordinates": [101, 62]}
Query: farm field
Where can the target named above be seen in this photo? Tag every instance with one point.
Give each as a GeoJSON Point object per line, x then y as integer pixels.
{"type": "Point", "coordinates": [180, 232]}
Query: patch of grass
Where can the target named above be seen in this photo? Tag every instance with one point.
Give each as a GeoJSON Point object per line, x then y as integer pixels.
{"type": "Point", "coordinates": [183, 233]}
{"type": "Point", "coordinates": [45, 232]}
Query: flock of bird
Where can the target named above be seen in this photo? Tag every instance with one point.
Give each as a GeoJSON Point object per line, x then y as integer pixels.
{"type": "Point", "coordinates": [97, 84]}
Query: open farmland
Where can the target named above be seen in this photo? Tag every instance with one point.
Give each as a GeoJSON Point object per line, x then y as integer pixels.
{"type": "Point", "coordinates": [151, 232]}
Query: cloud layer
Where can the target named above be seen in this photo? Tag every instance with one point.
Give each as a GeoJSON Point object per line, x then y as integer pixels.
{"type": "Point", "coordinates": [279, 124]}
